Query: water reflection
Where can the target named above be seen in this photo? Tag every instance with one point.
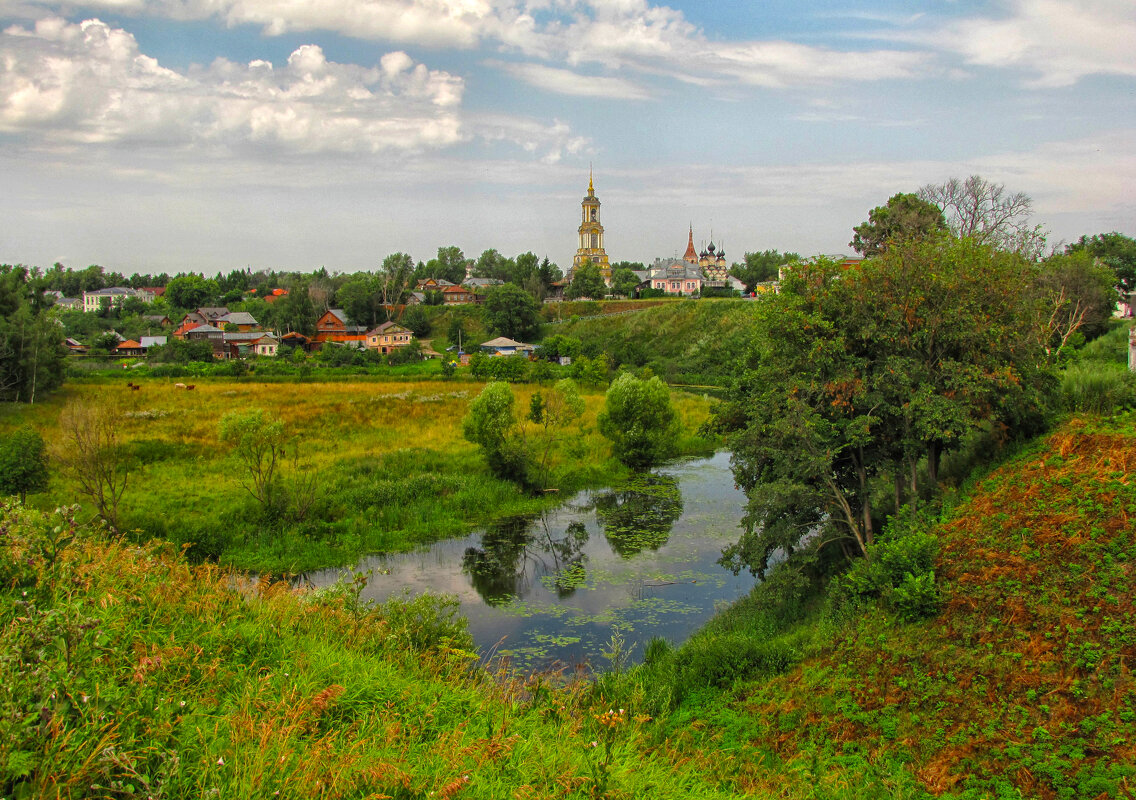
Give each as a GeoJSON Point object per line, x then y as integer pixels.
{"type": "Point", "coordinates": [641, 514]}
{"type": "Point", "coordinates": [640, 559]}
{"type": "Point", "coordinates": [515, 549]}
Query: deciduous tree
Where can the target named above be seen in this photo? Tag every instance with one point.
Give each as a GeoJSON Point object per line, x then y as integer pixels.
{"type": "Point", "coordinates": [512, 312]}
{"type": "Point", "coordinates": [982, 210]}
{"type": "Point", "coordinates": [864, 373]}
{"type": "Point", "coordinates": [905, 217]}
{"type": "Point", "coordinates": [640, 421]}
{"type": "Point", "coordinates": [587, 281]}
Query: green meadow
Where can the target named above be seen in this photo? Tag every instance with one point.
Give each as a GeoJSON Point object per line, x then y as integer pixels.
{"type": "Point", "coordinates": [378, 465]}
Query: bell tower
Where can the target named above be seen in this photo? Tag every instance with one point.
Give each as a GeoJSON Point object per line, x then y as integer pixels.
{"type": "Point", "coordinates": [591, 246]}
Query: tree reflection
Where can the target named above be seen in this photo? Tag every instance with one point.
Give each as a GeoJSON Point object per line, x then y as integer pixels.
{"type": "Point", "coordinates": [641, 514]}
{"type": "Point", "coordinates": [516, 550]}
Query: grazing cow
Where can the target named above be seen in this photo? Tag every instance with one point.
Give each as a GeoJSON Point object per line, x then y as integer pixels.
{"type": "Point", "coordinates": [134, 388]}
{"type": "Point", "coordinates": [190, 387]}
{"type": "Point", "coordinates": [130, 384]}
{"type": "Point", "coordinates": [179, 385]}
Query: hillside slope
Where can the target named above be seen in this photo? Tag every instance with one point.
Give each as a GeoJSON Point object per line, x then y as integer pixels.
{"type": "Point", "coordinates": [696, 342]}
{"type": "Point", "coordinates": [1020, 687]}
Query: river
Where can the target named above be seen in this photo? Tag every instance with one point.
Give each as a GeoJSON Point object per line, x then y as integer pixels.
{"type": "Point", "coordinates": [638, 562]}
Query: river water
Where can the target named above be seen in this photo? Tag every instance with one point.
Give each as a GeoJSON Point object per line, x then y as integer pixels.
{"type": "Point", "coordinates": [639, 561]}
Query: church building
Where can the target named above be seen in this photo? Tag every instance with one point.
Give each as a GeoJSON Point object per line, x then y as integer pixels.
{"type": "Point", "coordinates": [591, 247]}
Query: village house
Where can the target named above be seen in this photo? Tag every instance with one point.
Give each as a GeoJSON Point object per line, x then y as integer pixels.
{"type": "Point", "coordinates": [266, 345]}
{"type": "Point", "coordinates": [501, 346]}
{"type": "Point", "coordinates": [333, 327]}
{"type": "Point", "coordinates": [114, 296]}
{"type": "Point", "coordinates": [388, 337]}
{"type": "Point", "coordinates": [675, 277]}
{"type": "Point", "coordinates": [458, 295]}
{"type": "Point", "coordinates": [130, 348]}
{"type": "Point", "coordinates": [242, 319]}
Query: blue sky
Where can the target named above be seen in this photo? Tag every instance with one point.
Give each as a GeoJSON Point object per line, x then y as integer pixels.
{"type": "Point", "coordinates": [168, 135]}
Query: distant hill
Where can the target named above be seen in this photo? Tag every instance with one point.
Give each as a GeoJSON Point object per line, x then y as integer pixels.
{"type": "Point", "coordinates": [694, 342]}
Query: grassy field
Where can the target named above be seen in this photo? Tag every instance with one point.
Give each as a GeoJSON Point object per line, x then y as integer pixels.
{"type": "Point", "coordinates": [128, 672]}
{"type": "Point", "coordinates": [386, 462]}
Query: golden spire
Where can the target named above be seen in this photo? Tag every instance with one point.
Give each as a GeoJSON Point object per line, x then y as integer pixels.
{"type": "Point", "coordinates": [591, 190]}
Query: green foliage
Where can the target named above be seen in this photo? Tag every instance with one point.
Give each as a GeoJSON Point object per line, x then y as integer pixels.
{"type": "Point", "coordinates": [905, 217]}
{"type": "Point", "coordinates": [191, 291]}
{"type": "Point", "coordinates": [23, 463]}
{"type": "Point", "coordinates": [558, 346]}
{"type": "Point", "coordinates": [407, 354]}
{"type": "Point", "coordinates": [587, 281]}
{"type": "Point", "coordinates": [762, 267]}
{"type": "Point", "coordinates": [260, 445]}
{"type": "Point", "coordinates": [31, 345]}
{"type": "Point", "coordinates": [861, 374]}
{"type": "Point", "coordinates": [491, 424]}
{"type": "Point", "coordinates": [639, 421]}
{"type": "Point", "coordinates": [624, 282]}
{"type": "Point", "coordinates": [512, 312]}
{"type": "Point", "coordinates": [514, 368]}
{"type": "Point", "coordinates": [1079, 293]}
{"type": "Point", "coordinates": [181, 351]}
{"type": "Point", "coordinates": [449, 265]}
{"type": "Point", "coordinates": [899, 569]}
{"type": "Point", "coordinates": [1116, 250]}
{"type": "Point", "coordinates": [418, 321]}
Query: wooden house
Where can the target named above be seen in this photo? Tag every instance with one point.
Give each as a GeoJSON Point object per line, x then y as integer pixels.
{"type": "Point", "coordinates": [333, 326]}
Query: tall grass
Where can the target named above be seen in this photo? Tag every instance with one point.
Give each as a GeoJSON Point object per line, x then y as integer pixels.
{"type": "Point", "coordinates": [1098, 381]}
{"type": "Point", "coordinates": [128, 672]}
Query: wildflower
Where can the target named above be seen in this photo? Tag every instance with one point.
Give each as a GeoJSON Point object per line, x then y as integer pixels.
{"type": "Point", "coordinates": [221, 761]}
{"type": "Point", "coordinates": [182, 704]}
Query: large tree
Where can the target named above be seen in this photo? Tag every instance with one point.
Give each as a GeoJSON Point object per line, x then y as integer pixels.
{"type": "Point", "coordinates": [904, 217]}
{"type": "Point", "coordinates": [512, 312]}
{"type": "Point", "coordinates": [640, 421]}
{"type": "Point", "coordinates": [982, 210]}
{"type": "Point", "coordinates": [587, 281]}
{"type": "Point", "coordinates": [867, 373]}
{"type": "Point", "coordinates": [191, 291]}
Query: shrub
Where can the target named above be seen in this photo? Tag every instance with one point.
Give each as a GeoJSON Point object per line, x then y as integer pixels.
{"type": "Point", "coordinates": [721, 660]}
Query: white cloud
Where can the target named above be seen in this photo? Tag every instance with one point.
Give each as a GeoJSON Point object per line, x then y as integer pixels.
{"type": "Point", "coordinates": [1060, 41]}
{"type": "Point", "coordinates": [617, 34]}
{"type": "Point", "coordinates": [89, 83]}
{"type": "Point", "coordinates": [551, 140]}
{"type": "Point", "coordinates": [564, 81]}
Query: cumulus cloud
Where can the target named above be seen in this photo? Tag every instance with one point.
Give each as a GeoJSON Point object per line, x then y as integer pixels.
{"type": "Point", "coordinates": [89, 83]}
{"type": "Point", "coordinates": [616, 34]}
{"type": "Point", "coordinates": [1058, 41]}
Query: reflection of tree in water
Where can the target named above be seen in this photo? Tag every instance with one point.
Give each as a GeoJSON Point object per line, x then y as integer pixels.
{"type": "Point", "coordinates": [515, 549]}
{"type": "Point", "coordinates": [640, 514]}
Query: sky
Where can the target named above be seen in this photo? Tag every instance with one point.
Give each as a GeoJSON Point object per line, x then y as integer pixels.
{"type": "Point", "coordinates": [211, 135]}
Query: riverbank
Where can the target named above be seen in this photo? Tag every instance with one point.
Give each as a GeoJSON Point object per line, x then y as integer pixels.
{"type": "Point", "coordinates": [134, 672]}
